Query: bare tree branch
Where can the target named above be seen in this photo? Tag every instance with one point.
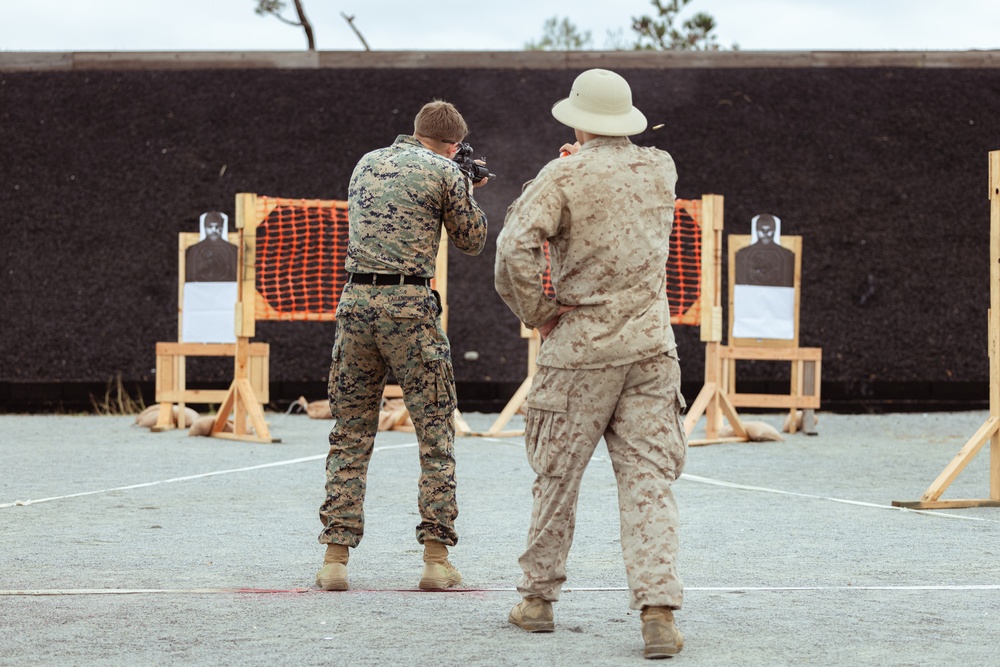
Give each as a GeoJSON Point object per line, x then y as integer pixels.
{"type": "Point", "coordinates": [274, 8]}
{"type": "Point", "coordinates": [306, 25]}
{"type": "Point", "coordinates": [350, 22]}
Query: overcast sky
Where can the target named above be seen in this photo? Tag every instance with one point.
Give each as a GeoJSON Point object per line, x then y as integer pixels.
{"type": "Point", "coordinates": [489, 25]}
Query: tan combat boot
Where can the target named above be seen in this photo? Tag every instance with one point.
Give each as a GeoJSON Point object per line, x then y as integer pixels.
{"type": "Point", "coordinates": [333, 575]}
{"type": "Point", "coordinates": [662, 638]}
{"type": "Point", "coordinates": [533, 615]}
{"type": "Point", "coordinates": [438, 572]}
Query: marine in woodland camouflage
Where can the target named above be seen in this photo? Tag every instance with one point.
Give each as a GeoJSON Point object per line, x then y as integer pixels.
{"type": "Point", "coordinates": [399, 198]}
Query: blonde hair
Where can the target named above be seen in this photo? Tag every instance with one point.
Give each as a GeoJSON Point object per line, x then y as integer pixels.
{"type": "Point", "coordinates": [440, 120]}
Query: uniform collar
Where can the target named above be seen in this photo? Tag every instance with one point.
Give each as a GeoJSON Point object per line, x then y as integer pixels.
{"type": "Point", "coordinates": [597, 142]}
{"type": "Point", "coordinates": [407, 139]}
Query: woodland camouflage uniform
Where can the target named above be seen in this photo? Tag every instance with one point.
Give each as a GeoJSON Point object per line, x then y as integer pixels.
{"type": "Point", "coordinates": [399, 199]}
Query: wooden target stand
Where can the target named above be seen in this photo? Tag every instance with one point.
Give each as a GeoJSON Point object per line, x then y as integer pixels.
{"type": "Point", "coordinates": [805, 362]}
{"type": "Point", "coordinates": [990, 430]}
{"type": "Point", "coordinates": [172, 391]}
{"type": "Point", "coordinates": [712, 401]}
{"type": "Point", "coordinates": [719, 399]}
{"type": "Point", "coordinates": [241, 402]}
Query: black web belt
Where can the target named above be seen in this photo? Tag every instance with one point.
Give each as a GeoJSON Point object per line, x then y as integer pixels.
{"type": "Point", "coordinates": [387, 279]}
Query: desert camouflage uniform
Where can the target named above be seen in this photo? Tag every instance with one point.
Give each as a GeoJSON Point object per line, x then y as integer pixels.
{"type": "Point", "coordinates": [609, 368]}
{"type": "Point", "coordinates": [399, 198]}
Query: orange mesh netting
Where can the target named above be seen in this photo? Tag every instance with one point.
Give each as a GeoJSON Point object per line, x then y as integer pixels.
{"type": "Point", "coordinates": [302, 247]}
{"type": "Point", "coordinates": [301, 250]}
{"type": "Point", "coordinates": [683, 265]}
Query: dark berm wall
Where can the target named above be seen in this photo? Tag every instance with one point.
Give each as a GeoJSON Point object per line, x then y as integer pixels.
{"type": "Point", "coordinates": [881, 169]}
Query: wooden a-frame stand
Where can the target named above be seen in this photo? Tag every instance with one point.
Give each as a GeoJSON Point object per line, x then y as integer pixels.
{"type": "Point", "coordinates": [172, 390]}
{"type": "Point", "coordinates": [990, 430]}
{"type": "Point", "coordinates": [517, 401]}
{"type": "Point", "coordinates": [803, 397]}
{"type": "Point", "coordinates": [240, 401]}
{"type": "Point", "coordinates": [713, 400]}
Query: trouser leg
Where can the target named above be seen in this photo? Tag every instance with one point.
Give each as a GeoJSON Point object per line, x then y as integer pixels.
{"type": "Point", "coordinates": [423, 368]}
{"type": "Point", "coordinates": [567, 412]}
{"type": "Point", "coordinates": [436, 497]}
{"type": "Point", "coordinates": [647, 446]}
{"type": "Point", "coordinates": [357, 379]}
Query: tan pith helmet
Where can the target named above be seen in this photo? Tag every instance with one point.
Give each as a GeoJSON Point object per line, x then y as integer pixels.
{"type": "Point", "coordinates": [600, 103]}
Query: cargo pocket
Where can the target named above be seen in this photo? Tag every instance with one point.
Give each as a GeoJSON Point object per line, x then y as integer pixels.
{"type": "Point", "coordinates": [545, 431]}
{"type": "Point", "coordinates": [439, 388]}
{"type": "Point", "coordinates": [336, 359]}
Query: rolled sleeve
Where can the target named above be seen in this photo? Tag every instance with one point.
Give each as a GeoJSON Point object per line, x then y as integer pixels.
{"type": "Point", "coordinates": [463, 218]}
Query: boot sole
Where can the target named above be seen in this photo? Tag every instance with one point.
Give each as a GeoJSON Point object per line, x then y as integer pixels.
{"type": "Point", "coordinates": [656, 652]}
{"type": "Point", "coordinates": [437, 584]}
{"type": "Point", "coordinates": [335, 586]}
{"type": "Point", "coordinates": [536, 626]}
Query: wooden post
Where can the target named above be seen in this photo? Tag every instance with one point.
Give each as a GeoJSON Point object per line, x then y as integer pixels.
{"type": "Point", "coordinates": [440, 282]}
{"type": "Point", "coordinates": [990, 430]}
{"type": "Point", "coordinates": [519, 398]}
{"type": "Point", "coordinates": [712, 401]}
{"type": "Point", "coordinates": [240, 402]}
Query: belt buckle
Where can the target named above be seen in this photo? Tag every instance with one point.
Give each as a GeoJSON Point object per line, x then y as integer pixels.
{"type": "Point", "coordinates": [374, 279]}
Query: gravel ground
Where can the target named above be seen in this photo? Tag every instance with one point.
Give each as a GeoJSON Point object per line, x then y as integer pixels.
{"type": "Point", "coordinates": [123, 546]}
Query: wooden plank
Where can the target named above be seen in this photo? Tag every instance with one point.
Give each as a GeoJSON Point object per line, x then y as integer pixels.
{"type": "Point", "coordinates": [490, 434]}
{"type": "Point", "coordinates": [698, 407]}
{"type": "Point", "coordinates": [440, 281]}
{"type": "Point", "coordinates": [183, 242]}
{"type": "Point", "coordinates": [165, 418]}
{"type": "Point", "coordinates": [200, 396]}
{"type": "Point", "coordinates": [990, 430]}
{"type": "Point", "coordinates": [245, 438]}
{"type": "Point", "coordinates": [711, 267]}
{"type": "Point", "coordinates": [810, 378]}
{"type": "Point", "coordinates": [246, 294]}
{"type": "Point", "coordinates": [225, 409]}
{"type": "Point", "coordinates": [714, 441]}
{"type": "Point", "coordinates": [958, 463]}
{"type": "Point", "coordinates": [260, 375]}
{"type": "Point", "coordinates": [39, 61]}
{"type": "Point", "coordinates": [944, 504]}
{"type": "Point", "coordinates": [465, 60]}
{"type": "Point", "coordinates": [513, 405]}
{"type": "Point", "coordinates": [766, 401]}
{"type": "Point", "coordinates": [253, 410]}
{"type": "Point", "coordinates": [196, 349]}
{"type": "Point", "coordinates": [994, 319]}
{"type": "Point", "coordinates": [461, 426]}
{"type": "Point", "coordinates": [729, 410]}
{"type": "Point", "coordinates": [194, 60]}
{"type": "Point", "coordinates": [747, 353]}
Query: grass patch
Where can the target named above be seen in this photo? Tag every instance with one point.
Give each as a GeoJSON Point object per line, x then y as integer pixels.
{"type": "Point", "coordinates": [117, 400]}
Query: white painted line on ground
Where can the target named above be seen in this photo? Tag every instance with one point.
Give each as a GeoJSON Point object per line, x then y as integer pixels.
{"type": "Point", "coordinates": [43, 592]}
{"type": "Point", "coordinates": [685, 476]}
{"type": "Point", "coordinates": [764, 489]}
{"type": "Point", "coordinates": [187, 478]}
